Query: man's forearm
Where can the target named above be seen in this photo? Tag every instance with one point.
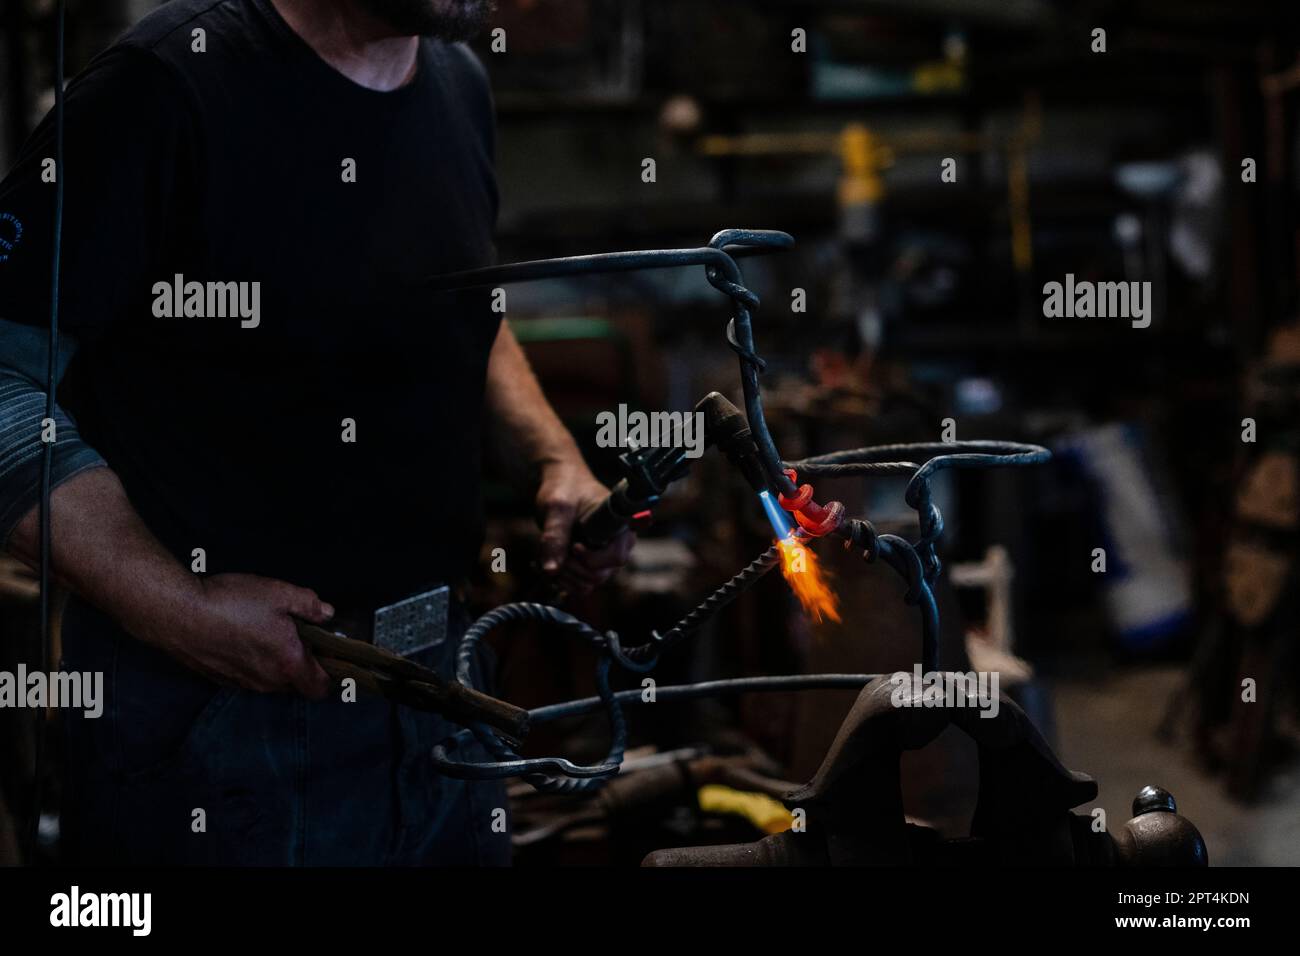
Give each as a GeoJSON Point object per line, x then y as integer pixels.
{"type": "Point", "coordinates": [101, 548]}
{"type": "Point", "coordinates": [235, 628]}
{"type": "Point", "coordinates": [102, 551]}
{"type": "Point", "coordinates": [527, 434]}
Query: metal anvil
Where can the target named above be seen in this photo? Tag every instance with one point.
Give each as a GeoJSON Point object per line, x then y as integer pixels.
{"type": "Point", "coordinates": [853, 807]}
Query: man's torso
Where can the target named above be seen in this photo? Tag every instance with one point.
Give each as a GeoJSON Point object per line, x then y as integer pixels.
{"type": "Point", "coordinates": [334, 200]}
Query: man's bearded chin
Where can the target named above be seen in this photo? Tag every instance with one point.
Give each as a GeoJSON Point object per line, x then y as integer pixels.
{"type": "Point", "coordinates": [451, 20]}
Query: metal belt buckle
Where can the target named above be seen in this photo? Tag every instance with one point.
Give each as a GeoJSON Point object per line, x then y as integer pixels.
{"type": "Point", "coordinates": [413, 624]}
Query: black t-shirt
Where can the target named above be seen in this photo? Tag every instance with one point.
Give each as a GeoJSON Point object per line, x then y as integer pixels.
{"type": "Point", "coordinates": [225, 156]}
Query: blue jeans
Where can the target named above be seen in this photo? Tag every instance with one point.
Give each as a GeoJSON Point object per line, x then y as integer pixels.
{"type": "Point", "coordinates": [279, 780]}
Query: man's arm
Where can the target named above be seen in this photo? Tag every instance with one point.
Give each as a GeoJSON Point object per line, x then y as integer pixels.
{"type": "Point", "coordinates": [530, 435]}
{"type": "Point", "coordinates": [234, 628]}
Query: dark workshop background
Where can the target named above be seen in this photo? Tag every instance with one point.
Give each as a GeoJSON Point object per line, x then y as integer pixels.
{"type": "Point", "coordinates": [924, 302]}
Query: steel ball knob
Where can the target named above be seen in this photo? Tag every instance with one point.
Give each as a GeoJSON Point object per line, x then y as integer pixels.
{"type": "Point", "coordinates": [1151, 799]}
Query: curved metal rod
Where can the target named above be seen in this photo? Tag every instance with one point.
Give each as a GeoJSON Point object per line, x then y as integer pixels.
{"type": "Point", "coordinates": [497, 769]}
{"type": "Point", "coordinates": [719, 260]}
{"type": "Point", "coordinates": [996, 453]}
{"type": "Point", "coordinates": [900, 555]}
{"type": "Point", "coordinates": [711, 688]}
{"type": "Point", "coordinates": [610, 262]}
{"type": "Point", "coordinates": [535, 772]}
{"type": "Point", "coordinates": [750, 364]}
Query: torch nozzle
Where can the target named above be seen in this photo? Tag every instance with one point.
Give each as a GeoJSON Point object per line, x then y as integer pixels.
{"type": "Point", "coordinates": [726, 427]}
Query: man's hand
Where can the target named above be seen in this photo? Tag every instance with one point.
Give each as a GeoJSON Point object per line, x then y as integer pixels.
{"type": "Point", "coordinates": [242, 632]}
{"type": "Point", "coordinates": [569, 491]}
{"type": "Point", "coordinates": [533, 443]}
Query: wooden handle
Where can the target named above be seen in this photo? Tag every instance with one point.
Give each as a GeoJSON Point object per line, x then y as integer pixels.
{"type": "Point", "coordinates": [382, 672]}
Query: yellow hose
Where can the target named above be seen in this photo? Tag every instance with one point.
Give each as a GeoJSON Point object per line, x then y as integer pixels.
{"type": "Point", "coordinates": [759, 809]}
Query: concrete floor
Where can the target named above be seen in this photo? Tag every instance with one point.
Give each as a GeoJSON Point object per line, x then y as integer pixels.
{"type": "Point", "coordinates": [1107, 729]}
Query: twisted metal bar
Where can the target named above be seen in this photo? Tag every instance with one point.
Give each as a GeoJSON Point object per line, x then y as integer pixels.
{"type": "Point", "coordinates": [725, 277]}
{"type": "Point", "coordinates": [567, 777]}
{"type": "Point", "coordinates": [542, 772]}
{"type": "Point", "coordinates": [703, 612]}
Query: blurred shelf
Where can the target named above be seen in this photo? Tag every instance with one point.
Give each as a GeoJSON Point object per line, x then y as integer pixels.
{"type": "Point", "coordinates": [808, 215]}
{"type": "Point", "coordinates": [965, 340]}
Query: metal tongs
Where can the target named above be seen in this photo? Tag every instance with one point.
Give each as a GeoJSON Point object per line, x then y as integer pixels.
{"type": "Point", "coordinates": [402, 680]}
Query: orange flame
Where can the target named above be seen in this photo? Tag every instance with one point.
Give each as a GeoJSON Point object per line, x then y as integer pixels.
{"type": "Point", "coordinates": [806, 579]}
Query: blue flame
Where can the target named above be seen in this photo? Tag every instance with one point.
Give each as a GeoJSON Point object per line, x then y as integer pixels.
{"type": "Point", "coordinates": [780, 523]}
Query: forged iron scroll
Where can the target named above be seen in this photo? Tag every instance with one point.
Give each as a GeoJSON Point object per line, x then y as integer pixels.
{"type": "Point", "coordinates": [917, 562]}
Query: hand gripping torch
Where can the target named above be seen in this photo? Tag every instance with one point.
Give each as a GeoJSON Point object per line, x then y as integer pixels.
{"type": "Point", "coordinates": [649, 471]}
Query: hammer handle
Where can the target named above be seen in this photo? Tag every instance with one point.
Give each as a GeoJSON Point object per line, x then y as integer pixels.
{"type": "Point", "coordinates": [406, 682]}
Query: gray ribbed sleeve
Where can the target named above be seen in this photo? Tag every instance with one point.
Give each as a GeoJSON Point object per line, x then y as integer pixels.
{"type": "Point", "coordinates": [22, 407]}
